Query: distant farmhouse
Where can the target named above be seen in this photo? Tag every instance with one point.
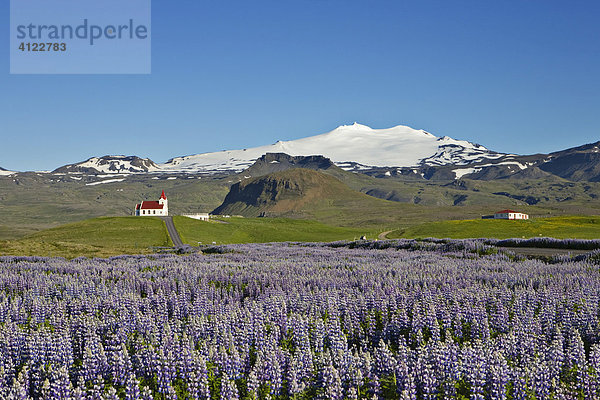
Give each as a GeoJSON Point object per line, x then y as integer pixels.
{"type": "Point", "coordinates": [153, 208]}
{"type": "Point", "coordinates": [507, 214]}
{"type": "Point", "coordinates": [198, 216]}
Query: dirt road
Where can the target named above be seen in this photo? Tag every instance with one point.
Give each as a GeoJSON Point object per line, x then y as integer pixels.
{"type": "Point", "coordinates": [175, 238]}
{"type": "Point", "coordinates": [383, 235]}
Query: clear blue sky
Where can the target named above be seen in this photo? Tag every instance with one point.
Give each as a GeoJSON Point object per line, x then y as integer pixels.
{"type": "Point", "coordinates": [515, 76]}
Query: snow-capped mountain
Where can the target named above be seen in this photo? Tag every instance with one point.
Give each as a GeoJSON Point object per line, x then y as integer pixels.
{"type": "Point", "coordinates": [4, 172]}
{"type": "Point", "coordinates": [395, 151]}
{"type": "Point", "coordinates": [352, 147]}
{"type": "Point", "coordinates": [110, 165]}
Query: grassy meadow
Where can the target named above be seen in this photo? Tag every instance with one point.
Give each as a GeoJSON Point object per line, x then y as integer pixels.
{"type": "Point", "coordinates": [579, 227]}
{"type": "Point", "coordinates": [110, 236]}
{"type": "Point", "coordinates": [97, 237]}
{"type": "Point", "coordinates": [261, 230]}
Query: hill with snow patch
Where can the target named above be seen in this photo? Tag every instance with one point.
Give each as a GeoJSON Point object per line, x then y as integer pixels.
{"type": "Point", "coordinates": [110, 165]}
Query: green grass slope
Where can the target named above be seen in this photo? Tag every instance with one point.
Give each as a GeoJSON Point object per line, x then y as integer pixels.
{"type": "Point", "coordinates": [260, 230]}
{"type": "Point", "coordinates": [98, 237]}
{"type": "Point", "coordinates": [32, 202]}
{"type": "Point", "coordinates": [580, 227]}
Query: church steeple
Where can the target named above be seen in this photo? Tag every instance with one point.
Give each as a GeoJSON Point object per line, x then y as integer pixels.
{"type": "Point", "coordinates": [164, 202]}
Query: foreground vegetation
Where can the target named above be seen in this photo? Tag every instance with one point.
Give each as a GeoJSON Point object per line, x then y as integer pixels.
{"type": "Point", "coordinates": [580, 227]}
{"type": "Point", "coordinates": [418, 320]}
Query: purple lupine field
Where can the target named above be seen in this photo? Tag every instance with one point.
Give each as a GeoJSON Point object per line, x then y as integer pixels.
{"type": "Point", "coordinates": [298, 321]}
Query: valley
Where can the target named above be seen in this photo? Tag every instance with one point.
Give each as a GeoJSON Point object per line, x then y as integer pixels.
{"type": "Point", "coordinates": [435, 191]}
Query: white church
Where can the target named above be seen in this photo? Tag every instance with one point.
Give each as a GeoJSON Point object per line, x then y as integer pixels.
{"type": "Point", "coordinates": [158, 208]}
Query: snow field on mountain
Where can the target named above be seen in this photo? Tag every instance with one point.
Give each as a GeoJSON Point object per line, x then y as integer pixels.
{"type": "Point", "coordinates": [400, 146]}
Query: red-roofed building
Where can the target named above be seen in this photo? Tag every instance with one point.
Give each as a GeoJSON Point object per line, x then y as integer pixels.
{"type": "Point", "coordinates": [158, 208]}
{"type": "Point", "coordinates": [510, 214]}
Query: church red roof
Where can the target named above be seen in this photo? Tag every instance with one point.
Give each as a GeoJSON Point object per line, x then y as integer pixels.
{"type": "Point", "coordinates": [162, 196]}
{"type": "Point", "coordinates": [149, 205]}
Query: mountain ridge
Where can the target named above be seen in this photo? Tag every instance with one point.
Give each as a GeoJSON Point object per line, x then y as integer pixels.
{"type": "Point", "coordinates": [399, 151]}
{"type": "Point", "coordinates": [5, 172]}
{"type": "Point", "coordinates": [110, 164]}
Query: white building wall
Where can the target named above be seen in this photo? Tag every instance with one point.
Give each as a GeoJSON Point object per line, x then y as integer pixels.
{"type": "Point", "coordinates": [152, 213]}
{"type": "Point", "coordinates": [511, 216]}
{"type": "Point", "coordinates": [165, 203]}
{"type": "Point", "coordinates": [199, 216]}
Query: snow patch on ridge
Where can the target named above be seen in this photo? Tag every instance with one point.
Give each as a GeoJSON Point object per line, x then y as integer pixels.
{"type": "Point", "coordinates": [106, 181]}
{"type": "Point", "coordinates": [465, 171]}
{"type": "Point", "coordinates": [460, 172]}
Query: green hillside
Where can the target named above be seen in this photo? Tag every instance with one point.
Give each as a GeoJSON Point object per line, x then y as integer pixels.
{"type": "Point", "coordinates": [257, 230]}
{"type": "Point", "coordinates": [110, 236]}
{"type": "Point", "coordinates": [313, 195]}
{"type": "Point", "coordinates": [581, 227]}
{"type": "Point", "coordinates": [32, 202]}
{"type": "Point", "coordinates": [98, 237]}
